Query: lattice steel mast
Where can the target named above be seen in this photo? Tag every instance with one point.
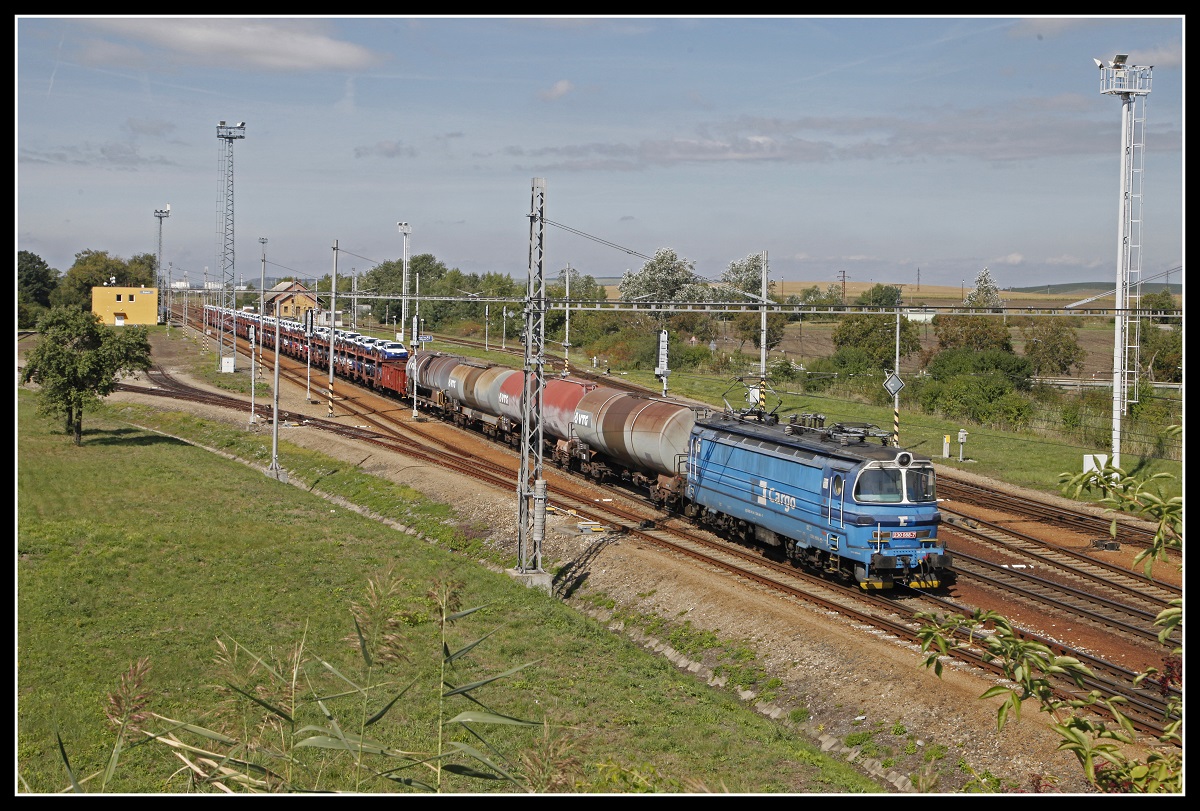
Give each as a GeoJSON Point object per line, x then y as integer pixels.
{"type": "Point", "coordinates": [228, 134]}
{"type": "Point", "coordinates": [531, 487]}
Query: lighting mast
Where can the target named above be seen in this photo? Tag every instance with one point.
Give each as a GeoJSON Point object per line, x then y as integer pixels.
{"type": "Point", "coordinates": [1130, 83]}
{"type": "Point", "coordinates": [162, 214]}
{"type": "Point", "coordinates": [406, 232]}
{"type": "Point", "coordinates": [228, 134]}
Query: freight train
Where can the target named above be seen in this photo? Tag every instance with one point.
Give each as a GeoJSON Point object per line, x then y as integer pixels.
{"type": "Point", "coordinates": [360, 359]}
{"type": "Point", "coordinates": [836, 498]}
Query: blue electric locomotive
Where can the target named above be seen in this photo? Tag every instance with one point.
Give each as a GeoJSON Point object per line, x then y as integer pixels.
{"type": "Point", "coordinates": [826, 497]}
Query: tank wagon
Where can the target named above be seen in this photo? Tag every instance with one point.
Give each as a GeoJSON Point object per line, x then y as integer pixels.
{"type": "Point", "coordinates": [838, 499]}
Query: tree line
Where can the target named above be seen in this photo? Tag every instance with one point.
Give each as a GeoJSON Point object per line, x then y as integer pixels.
{"type": "Point", "coordinates": [973, 372]}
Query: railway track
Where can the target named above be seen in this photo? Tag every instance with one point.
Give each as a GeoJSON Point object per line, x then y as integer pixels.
{"type": "Point", "coordinates": [1024, 551]}
{"type": "Point", "coordinates": [1128, 531]}
{"type": "Point", "coordinates": [377, 424]}
{"type": "Point", "coordinates": [1111, 615]}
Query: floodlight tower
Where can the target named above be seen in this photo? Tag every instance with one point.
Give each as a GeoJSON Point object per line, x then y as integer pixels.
{"type": "Point", "coordinates": [228, 134]}
{"type": "Point", "coordinates": [1131, 83]}
{"type": "Point", "coordinates": [406, 231]}
{"type": "Point", "coordinates": [161, 214]}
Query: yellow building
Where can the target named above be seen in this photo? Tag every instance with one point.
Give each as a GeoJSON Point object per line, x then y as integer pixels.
{"type": "Point", "coordinates": [121, 306]}
{"type": "Point", "coordinates": [290, 300]}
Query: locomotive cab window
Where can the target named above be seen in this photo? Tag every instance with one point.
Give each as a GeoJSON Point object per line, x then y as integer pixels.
{"type": "Point", "coordinates": [879, 486]}
{"type": "Point", "coordinates": [895, 485]}
{"type": "Point", "coordinates": [920, 486]}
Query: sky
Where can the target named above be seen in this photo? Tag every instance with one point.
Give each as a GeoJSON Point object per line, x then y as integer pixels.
{"type": "Point", "coordinates": [893, 150]}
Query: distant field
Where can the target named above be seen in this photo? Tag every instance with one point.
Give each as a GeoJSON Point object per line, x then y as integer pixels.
{"type": "Point", "coordinates": [934, 295]}
{"type": "Point", "coordinates": [1052, 295]}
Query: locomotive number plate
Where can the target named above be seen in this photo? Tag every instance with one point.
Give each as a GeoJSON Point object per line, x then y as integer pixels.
{"type": "Point", "coordinates": [904, 534]}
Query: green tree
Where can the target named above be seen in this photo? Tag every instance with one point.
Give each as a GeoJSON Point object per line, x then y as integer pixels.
{"type": "Point", "coordinates": [702, 326]}
{"type": "Point", "coordinates": [746, 275]}
{"type": "Point", "coordinates": [386, 279]}
{"type": "Point", "coordinates": [875, 335]}
{"type": "Point", "coordinates": [832, 297]}
{"type": "Point", "coordinates": [748, 327]}
{"type": "Point", "coordinates": [78, 360]}
{"type": "Point", "coordinates": [977, 332]}
{"type": "Point", "coordinates": [97, 269]}
{"type": "Point", "coordinates": [666, 277]}
{"type": "Point", "coordinates": [983, 397]}
{"type": "Point", "coordinates": [1162, 301]}
{"type": "Point", "coordinates": [582, 287]}
{"type": "Point", "coordinates": [881, 295]}
{"type": "Point", "coordinates": [1052, 348]}
{"type": "Point", "coordinates": [35, 279]}
{"type": "Point", "coordinates": [425, 272]}
{"type": "Point", "coordinates": [35, 282]}
{"type": "Point", "coordinates": [985, 296]}
{"type": "Point", "coordinates": [841, 365]}
{"type": "Point", "coordinates": [1161, 355]}
{"type": "Point", "coordinates": [141, 270]}
{"type": "Point", "coordinates": [815, 297]}
{"type": "Point", "coordinates": [953, 363]}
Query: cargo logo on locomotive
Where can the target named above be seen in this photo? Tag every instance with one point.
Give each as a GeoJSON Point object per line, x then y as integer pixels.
{"type": "Point", "coordinates": [788, 502]}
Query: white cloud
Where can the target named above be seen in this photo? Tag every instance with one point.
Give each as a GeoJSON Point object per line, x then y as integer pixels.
{"type": "Point", "coordinates": [385, 149]}
{"type": "Point", "coordinates": [561, 88]}
{"type": "Point", "coordinates": [274, 45]}
{"type": "Point", "coordinates": [1008, 259]}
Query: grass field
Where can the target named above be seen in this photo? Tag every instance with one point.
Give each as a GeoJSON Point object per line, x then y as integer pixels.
{"type": "Point", "coordinates": [140, 545]}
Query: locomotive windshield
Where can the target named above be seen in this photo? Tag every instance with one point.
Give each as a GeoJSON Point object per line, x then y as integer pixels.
{"type": "Point", "coordinates": [920, 484]}
{"type": "Point", "coordinates": [894, 485]}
